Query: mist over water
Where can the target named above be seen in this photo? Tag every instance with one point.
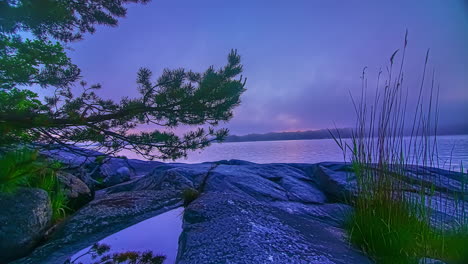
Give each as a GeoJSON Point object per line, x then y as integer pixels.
{"type": "Point", "coordinates": [451, 151]}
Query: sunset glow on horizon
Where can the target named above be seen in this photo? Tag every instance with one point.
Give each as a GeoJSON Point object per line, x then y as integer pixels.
{"type": "Point", "coordinates": [301, 60]}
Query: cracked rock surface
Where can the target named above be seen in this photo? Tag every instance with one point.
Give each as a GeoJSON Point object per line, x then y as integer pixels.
{"type": "Point", "coordinates": [245, 213]}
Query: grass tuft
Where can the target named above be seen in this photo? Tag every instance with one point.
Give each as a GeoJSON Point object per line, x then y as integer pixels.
{"type": "Point", "coordinates": [22, 167]}
{"type": "Point", "coordinates": [17, 167]}
{"type": "Point", "coordinates": [189, 195]}
{"type": "Point", "coordinates": [392, 221]}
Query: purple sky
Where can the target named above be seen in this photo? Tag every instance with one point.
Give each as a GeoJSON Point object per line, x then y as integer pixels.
{"type": "Point", "coordinates": [300, 57]}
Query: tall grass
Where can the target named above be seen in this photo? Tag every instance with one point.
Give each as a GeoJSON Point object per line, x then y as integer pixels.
{"type": "Point", "coordinates": [393, 221]}
{"type": "Point", "coordinates": [22, 167]}
{"type": "Point", "coordinates": [17, 166]}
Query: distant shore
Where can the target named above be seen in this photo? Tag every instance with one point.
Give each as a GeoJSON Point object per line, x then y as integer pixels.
{"type": "Point", "coordinates": [316, 134]}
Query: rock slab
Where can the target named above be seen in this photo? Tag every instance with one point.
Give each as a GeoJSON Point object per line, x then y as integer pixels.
{"type": "Point", "coordinates": [24, 217]}
{"type": "Point", "coordinates": [246, 212]}
{"type": "Point", "coordinates": [77, 192]}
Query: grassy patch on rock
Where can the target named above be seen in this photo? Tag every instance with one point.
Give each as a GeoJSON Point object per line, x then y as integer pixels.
{"type": "Point", "coordinates": [22, 167]}
{"type": "Point", "coordinates": [189, 195]}
{"type": "Point", "coordinates": [393, 232]}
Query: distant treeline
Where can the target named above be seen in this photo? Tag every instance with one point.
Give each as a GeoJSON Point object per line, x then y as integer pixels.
{"type": "Point", "coordinates": [316, 134]}
{"type": "Point", "coordinates": [324, 133]}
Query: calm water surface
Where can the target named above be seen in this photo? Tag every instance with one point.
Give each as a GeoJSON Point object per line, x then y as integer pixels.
{"type": "Point", "coordinates": [159, 234]}
{"type": "Point", "coordinates": [452, 149]}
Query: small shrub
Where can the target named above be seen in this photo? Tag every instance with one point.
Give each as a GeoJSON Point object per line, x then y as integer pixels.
{"type": "Point", "coordinates": [189, 195]}
{"type": "Point", "coordinates": [388, 231]}
{"type": "Point", "coordinates": [100, 159]}
{"type": "Point", "coordinates": [59, 202]}
{"type": "Point", "coordinates": [17, 167]}
{"type": "Point", "coordinates": [23, 167]}
{"type": "Point", "coordinates": [450, 246]}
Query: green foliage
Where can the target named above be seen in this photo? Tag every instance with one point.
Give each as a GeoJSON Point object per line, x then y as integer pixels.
{"type": "Point", "coordinates": [19, 101]}
{"type": "Point", "coordinates": [27, 62]}
{"type": "Point", "coordinates": [16, 103]}
{"type": "Point", "coordinates": [451, 246]}
{"type": "Point", "coordinates": [59, 203]}
{"type": "Point", "coordinates": [47, 180]}
{"type": "Point", "coordinates": [177, 97]}
{"type": "Point", "coordinates": [100, 159]}
{"type": "Point", "coordinates": [386, 231]}
{"type": "Point", "coordinates": [18, 166]}
{"type": "Point", "coordinates": [189, 195]}
{"type": "Point", "coordinates": [392, 231]}
{"type": "Point", "coordinates": [22, 167]}
{"type": "Point", "coordinates": [61, 20]}
{"type": "Point", "coordinates": [99, 254]}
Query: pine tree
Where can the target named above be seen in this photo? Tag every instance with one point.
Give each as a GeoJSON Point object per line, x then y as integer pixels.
{"type": "Point", "coordinates": [177, 97]}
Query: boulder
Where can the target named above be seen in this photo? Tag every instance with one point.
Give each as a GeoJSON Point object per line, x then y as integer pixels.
{"type": "Point", "coordinates": [142, 167]}
{"type": "Point", "coordinates": [71, 156]}
{"type": "Point", "coordinates": [176, 177]}
{"type": "Point", "coordinates": [77, 192]}
{"type": "Point", "coordinates": [120, 175]}
{"type": "Point", "coordinates": [24, 218]}
{"type": "Point", "coordinates": [337, 181]}
{"type": "Point", "coordinates": [99, 219]}
{"type": "Point", "coordinates": [90, 165]}
{"type": "Point", "coordinates": [134, 167]}
{"type": "Point", "coordinates": [266, 182]}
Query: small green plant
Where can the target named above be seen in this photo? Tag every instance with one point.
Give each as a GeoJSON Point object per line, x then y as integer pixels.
{"type": "Point", "coordinates": [17, 168]}
{"type": "Point", "coordinates": [189, 195]}
{"type": "Point", "coordinates": [22, 167]}
{"type": "Point", "coordinates": [388, 231]}
{"type": "Point", "coordinates": [392, 231]}
{"type": "Point", "coordinates": [100, 159]}
{"type": "Point", "coordinates": [59, 202]}
{"type": "Point", "coordinates": [99, 254]}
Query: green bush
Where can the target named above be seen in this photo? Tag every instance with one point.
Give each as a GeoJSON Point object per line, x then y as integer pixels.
{"type": "Point", "coordinates": [388, 231]}
{"type": "Point", "coordinates": [17, 167]}
{"type": "Point", "coordinates": [22, 167]}
{"type": "Point", "coordinates": [392, 231]}
{"type": "Point", "coordinates": [189, 195]}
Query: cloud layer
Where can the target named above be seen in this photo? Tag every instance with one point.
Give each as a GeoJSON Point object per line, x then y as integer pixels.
{"type": "Point", "coordinates": [301, 58]}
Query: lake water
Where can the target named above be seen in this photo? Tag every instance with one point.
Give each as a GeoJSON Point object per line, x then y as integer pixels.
{"type": "Point", "coordinates": [159, 234]}
{"type": "Point", "coordinates": [452, 149]}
